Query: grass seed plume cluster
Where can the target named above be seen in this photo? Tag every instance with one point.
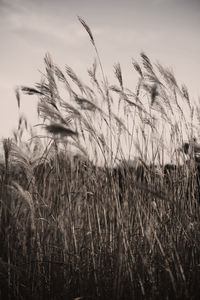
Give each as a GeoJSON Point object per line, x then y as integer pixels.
{"type": "Point", "coordinates": [89, 209]}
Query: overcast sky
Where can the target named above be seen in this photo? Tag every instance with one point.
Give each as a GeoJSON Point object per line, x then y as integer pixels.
{"type": "Point", "coordinates": [168, 31]}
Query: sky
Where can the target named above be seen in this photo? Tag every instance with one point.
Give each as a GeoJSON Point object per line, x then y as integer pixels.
{"type": "Point", "coordinates": [166, 30]}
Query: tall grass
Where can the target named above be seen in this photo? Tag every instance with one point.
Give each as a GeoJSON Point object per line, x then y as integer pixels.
{"type": "Point", "coordinates": [69, 229]}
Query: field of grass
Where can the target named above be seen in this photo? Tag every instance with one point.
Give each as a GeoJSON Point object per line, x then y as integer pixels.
{"type": "Point", "coordinates": [69, 230]}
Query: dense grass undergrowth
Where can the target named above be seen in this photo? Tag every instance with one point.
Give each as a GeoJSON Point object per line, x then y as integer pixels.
{"type": "Point", "coordinates": [90, 225]}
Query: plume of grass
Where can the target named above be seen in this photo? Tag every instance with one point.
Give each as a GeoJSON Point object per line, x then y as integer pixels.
{"type": "Point", "coordinates": [137, 68]}
{"type": "Point", "coordinates": [30, 91]}
{"type": "Point", "coordinates": [17, 94]}
{"type": "Point", "coordinates": [87, 28]}
{"type": "Point", "coordinates": [60, 129]}
{"type": "Point", "coordinates": [118, 74]}
{"type": "Point", "coordinates": [75, 78]}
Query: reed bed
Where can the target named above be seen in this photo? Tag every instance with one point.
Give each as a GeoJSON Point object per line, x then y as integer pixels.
{"type": "Point", "coordinates": [77, 219]}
